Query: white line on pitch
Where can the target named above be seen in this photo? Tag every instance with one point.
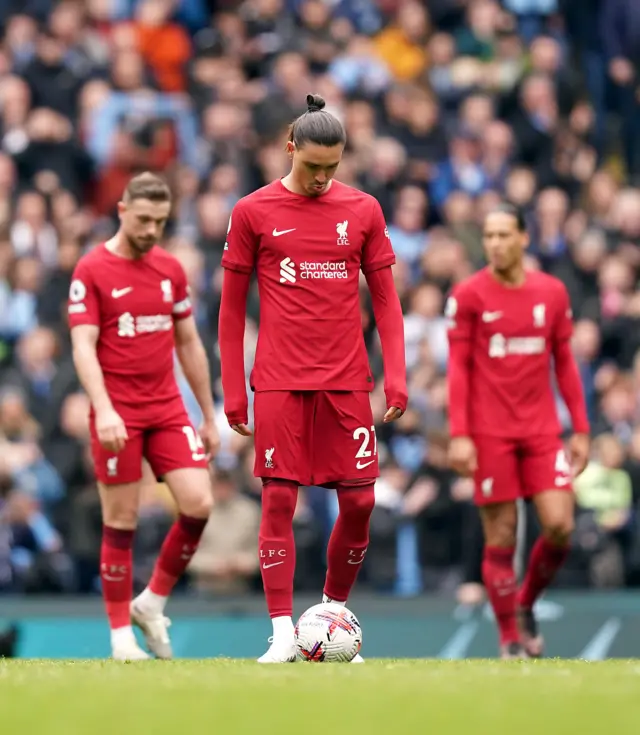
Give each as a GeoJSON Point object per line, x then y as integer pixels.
{"type": "Point", "coordinates": [456, 647]}
{"type": "Point", "coordinates": [598, 647]}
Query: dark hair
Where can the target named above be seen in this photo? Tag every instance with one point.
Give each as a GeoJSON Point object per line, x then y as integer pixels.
{"type": "Point", "coordinates": [147, 186]}
{"type": "Point", "coordinates": [513, 211]}
{"type": "Point", "coordinates": [316, 126]}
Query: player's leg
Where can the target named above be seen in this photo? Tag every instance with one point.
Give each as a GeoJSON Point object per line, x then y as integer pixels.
{"type": "Point", "coordinates": [349, 541]}
{"type": "Point", "coordinates": [277, 564]}
{"type": "Point", "coordinates": [282, 422]}
{"type": "Point", "coordinates": [497, 489]}
{"type": "Point", "coordinates": [349, 538]}
{"type": "Point", "coordinates": [548, 482]}
{"type": "Point", "coordinates": [119, 488]}
{"type": "Point", "coordinates": [175, 453]}
{"type": "Point", "coordinates": [499, 523]}
{"type": "Point", "coordinates": [347, 459]}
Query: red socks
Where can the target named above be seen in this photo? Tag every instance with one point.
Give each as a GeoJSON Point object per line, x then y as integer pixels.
{"type": "Point", "coordinates": [276, 545]}
{"type": "Point", "coordinates": [544, 562]}
{"type": "Point", "coordinates": [349, 540]}
{"type": "Point", "coordinates": [500, 582]}
{"type": "Point", "coordinates": [116, 561]}
{"type": "Point", "coordinates": [347, 545]}
{"type": "Point", "coordinates": [176, 552]}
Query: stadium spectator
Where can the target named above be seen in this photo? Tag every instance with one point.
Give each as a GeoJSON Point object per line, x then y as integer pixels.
{"type": "Point", "coordinates": [227, 558]}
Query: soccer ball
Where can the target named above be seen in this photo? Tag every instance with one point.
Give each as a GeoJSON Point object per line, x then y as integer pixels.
{"type": "Point", "coordinates": [328, 633]}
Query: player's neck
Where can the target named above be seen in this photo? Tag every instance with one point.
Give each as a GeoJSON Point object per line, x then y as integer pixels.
{"type": "Point", "coordinates": [511, 279]}
{"type": "Point", "coordinates": [119, 246]}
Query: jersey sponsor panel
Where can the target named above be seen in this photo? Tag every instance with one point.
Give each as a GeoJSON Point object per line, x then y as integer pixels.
{"type": "Point", "coordinates": [135, 305]}
{"type": "Point", "coordinates": [308, 256]}
{"type": "Point", "coordinates": [511, 334]}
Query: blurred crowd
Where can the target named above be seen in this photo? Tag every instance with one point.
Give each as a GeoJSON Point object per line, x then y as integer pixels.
{"type": "Point", "coordinates": [449, 105]}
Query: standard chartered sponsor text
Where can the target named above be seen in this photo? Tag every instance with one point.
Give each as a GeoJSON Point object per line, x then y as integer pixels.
{"type": "Point", "coordinates": [323, 270]}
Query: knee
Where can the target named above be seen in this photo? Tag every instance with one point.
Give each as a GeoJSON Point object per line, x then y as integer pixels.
{"type": "Point", "coordinates": [356, 504]}
{"type": "Point", "coordinates": [199, 505]}
{"type": "Point", "coordinates": [500, 530]}
{"type": "Point", "coordinates": [279, 500]}
{"type": "Point", "coordinates": [195, 497]}
{"type": "Point", "coordinates": [121, 523]}
{"type": "Point", "coordinates": [558, 531]}
{"type": "Point", "coordinates": [120, 514]}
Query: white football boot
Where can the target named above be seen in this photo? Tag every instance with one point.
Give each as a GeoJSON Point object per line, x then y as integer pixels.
{"type": "Point", "coordinates": [155, 627]}
{"type": "Point", "coordinates": [281, 651]}
{"type": "Point", "coordinates": [283, 642]}
{"type": "Point", "coordinates": [124, 646]}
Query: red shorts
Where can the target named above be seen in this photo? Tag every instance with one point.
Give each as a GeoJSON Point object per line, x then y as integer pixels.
{"type": "Point", "coordinates": [509, 469]}
{"type": "Point", "coordinates": [173, 444]}
{"type": "Point", "coordinates": [315, 437]}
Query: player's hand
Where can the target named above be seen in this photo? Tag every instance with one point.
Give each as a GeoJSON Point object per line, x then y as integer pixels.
{"type": "Point", "coordinates": [241, 429]}
{"type": "Point", "coordinates": [392, 414]}
{"type": "Point", "coordinates": [579, 446]}
{"type": "Point", "coordinates": [210, 438]}
{"type": "Point", "coordinates": [463, 458]}
{"type": "Point", "coordinates": [111, 431]}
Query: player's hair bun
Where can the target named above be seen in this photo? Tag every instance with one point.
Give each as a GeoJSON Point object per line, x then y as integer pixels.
{"type": "Point", "coordinates": [325, 129]}
{"type": "Point", "coordinates": [315, 103]}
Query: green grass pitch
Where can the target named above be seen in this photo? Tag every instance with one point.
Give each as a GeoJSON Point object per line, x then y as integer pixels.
{"type": "Point", "coordinates": [181, 697]}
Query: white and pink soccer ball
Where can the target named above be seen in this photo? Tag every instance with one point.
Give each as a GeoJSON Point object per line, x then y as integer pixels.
{"type": "Point", "coordinates": [328, 633]}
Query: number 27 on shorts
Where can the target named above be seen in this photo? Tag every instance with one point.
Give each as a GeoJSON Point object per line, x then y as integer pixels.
{"type": "Point", "coordinates": [365, 437]}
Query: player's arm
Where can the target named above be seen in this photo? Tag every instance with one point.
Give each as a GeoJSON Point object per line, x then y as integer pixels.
{"type": "Point", "coordinates": [84, 322]}
{"type": "Point", "coordinates": [110, 428]}
{"type": "Point", "coordinates": [390, 324]}
{"type": "Point", "coordinates": [570, 384]}
{"type": "Point", "coordinates": [460, 329]}
{"type": "Point", "coordinates": [232, 318]}
{"type": "Point", "coordinates": [195, 365]}
{"type": "Point", "coordinates": [377, 259]}
{"type": "Point", "coordinates": [84, 340]}
{"type": "Point", "coordinates": [238, 263]}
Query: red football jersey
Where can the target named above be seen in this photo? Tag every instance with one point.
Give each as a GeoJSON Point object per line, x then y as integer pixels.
{"type": "Point", "coordinates": [512, 333]}
{"type": "Point", "coordinates": [308, 254]}
{"type": "Point", "coordinates": [135, 303]}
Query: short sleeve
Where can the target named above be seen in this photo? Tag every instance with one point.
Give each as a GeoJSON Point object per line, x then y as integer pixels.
{"type": "Point", "coordinates": [83, 305]}
{"type": "Point", "coordinates": [459, 313]}
{"type": "Point", "coordinates": [242, 243]}
{"type": "Point", "coordinates": [182, 307]}
{"type": "Point", "coordinates": [378, 252]}
{"type": "Point", "coordinates": [563, 327]}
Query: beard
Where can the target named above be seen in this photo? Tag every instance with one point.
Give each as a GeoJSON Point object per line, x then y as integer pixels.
{"type": "Point", "coordinates": [139, 246]}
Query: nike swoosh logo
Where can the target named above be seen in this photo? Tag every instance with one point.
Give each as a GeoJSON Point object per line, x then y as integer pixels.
{"type": "Point", "coordinates": [362, 465]}
{"type": "Point", "coordinates": [354, 562]}
{"type": "Point", "coordinates": [118, 292]}
{"type": "Point", "coordinates": [277, 233]}
{"type": "Point", "coordinates": [109, 578]}
{"type": "Point", "coordinates": [491, 316]}
{"type": "Point", "coordinates": [275, 564]}
{"type": "Point", "coordinates": [198, 457]}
